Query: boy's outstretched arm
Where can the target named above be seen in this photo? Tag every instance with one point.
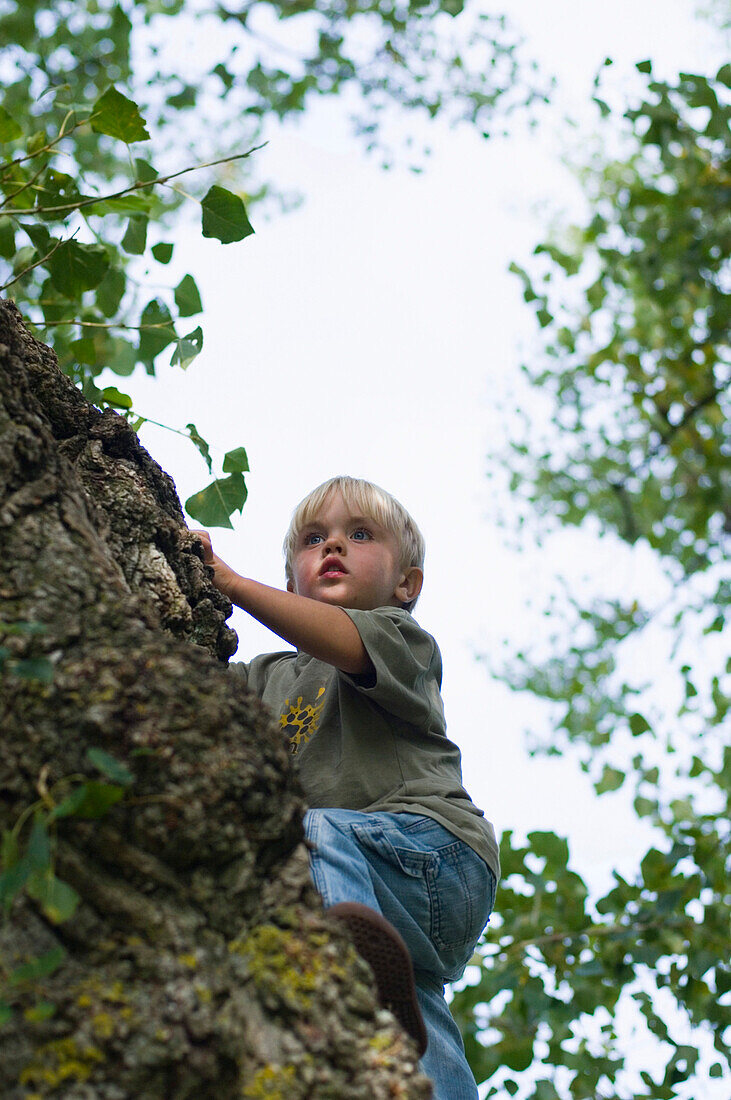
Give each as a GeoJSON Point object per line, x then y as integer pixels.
{"type": "Point", "coordinates": [320, 629]}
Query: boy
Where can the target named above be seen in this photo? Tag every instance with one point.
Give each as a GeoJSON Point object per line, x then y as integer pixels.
{"type": "Point", "coordinates": [393, 833]}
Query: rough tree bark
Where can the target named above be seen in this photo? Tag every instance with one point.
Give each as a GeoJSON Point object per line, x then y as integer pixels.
{"type": "Point", "coordinates": [198, 962]}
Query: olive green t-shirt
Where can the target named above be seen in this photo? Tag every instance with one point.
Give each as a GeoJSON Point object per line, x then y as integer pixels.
{"type": "Point", "coordinates": [376, 742]}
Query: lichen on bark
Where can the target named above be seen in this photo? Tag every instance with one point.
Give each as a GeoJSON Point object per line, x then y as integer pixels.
{"type": "Point", "coordinates": [199, 962]}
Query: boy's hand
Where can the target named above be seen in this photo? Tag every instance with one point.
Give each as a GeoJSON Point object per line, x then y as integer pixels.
{"type": "Point", "coordinates": [207, 546]}
{"type": "Point", "coordinates": [222, 574]}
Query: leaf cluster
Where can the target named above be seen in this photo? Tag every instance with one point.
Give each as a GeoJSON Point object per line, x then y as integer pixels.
{"type": "Point", "coordinates": [28, 866]}
{"type": "Point", "coordinates": [553, 974]}
{"type": "Point", "coordinates": [633, 366]}
{"type": "Point", "coordinates": [84, 230]}
{"type": "Point", "coordinates": [634, 307]}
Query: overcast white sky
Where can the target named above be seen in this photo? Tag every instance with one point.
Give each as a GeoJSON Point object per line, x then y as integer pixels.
{"type": "Point", "coordinates": [373, 332]}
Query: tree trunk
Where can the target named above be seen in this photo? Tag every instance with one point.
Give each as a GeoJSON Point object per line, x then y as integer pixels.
{"type": "Point", "coordinates": [198, 961]}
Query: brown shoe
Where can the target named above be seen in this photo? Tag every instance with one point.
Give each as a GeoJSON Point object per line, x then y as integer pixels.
{"type": "Point", "coordinates": [383, 949]}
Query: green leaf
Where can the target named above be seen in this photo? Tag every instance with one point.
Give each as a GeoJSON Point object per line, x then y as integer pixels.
{"type": "Point", "coordinates": [122, 357]}
{"type": "Point", "coordinates": [112, 396]}
{"type": "Point", "coordinates": [41, 238]}
{"type": "Point", "coordinates": [110, 291]}
{"type": "Point", "coordinates": [7, 238]}
{"type": "Point", "coordinates": [187, 297]}
{"type": "Point", "coordinates": [156, 330]}
{"type": "Point", "coordinates": [236, 462]}
{"type": "Point", "coordinates": [34, 668]}
{"type": "Point", "coordinates": [68, 806]}
{"type": "Point", "coordinates": [23, 628]}
{"type": "Point", "coordinates": [119, 117]}
{"type": "Point", "coordinates": [94, 801]}
{"type": "Point", "coordinates": [39, 1012]}
{"type": "Point", "coordinates": [656, 869]}
{"type": "Point", "coordinates": [13, 880]}
{"type": "Point", "coordinates": [554, 848]}
{"type": "Point", "coordinates": [9, 850]}
{"type": "Point", "coordinates": [58, 190]}
{"type": "Point", "coordinates": [38, 852]}
{"type": "Point", "coordinates": [184, 98]}
{"type": "Point", "coordinates": [638, 725]}
{"type": "Point", "coordinates": [202, 445]}
{"type": "Point", "coordinates": [109, 766]}
{"type": "Point", "coordinates": [84, 350]}
{"type": "Point", "coordinates": [134, 240]}
{"type": "Point", "coordinates": [10, 130]}
{"type": "Point", "coordinates": [42, 967]}
{"type": "Point", "coordinates": [186, 348]}
{"type": "Point", "coordinates": [611, 780]}
{"type": "Point", "coordinates": [137, 202]}
{"type": "Point", "coordinates": [6, 1013]}
{"type": "Point", "coordinates": [57, 899]}
{"type": "Point", "coordinates": [36, 142]}
{"type": "Point", "coordinates": [644, 806]}
{"type": "Point", "coordinates": [644, 66]}
{"type": "Point", "coordinates": [224, 216]}
{"type": "Point", "coordinates": [224, 76]}
{"type": "Point", "coordinates": [144, 172]}
{"type": "Point", "coordinates": [214, 505]}
{"type": "Point", "coordinates": [162, 252]}
{"type": "Point", "coordinates": [76, 267]}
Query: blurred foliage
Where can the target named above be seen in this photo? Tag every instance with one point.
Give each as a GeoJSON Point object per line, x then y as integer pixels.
{"type": "Point", "coordinates": [633, 368]}
{"type": "Point", "coordinates": [93, 93]}
{"type": "Point", "coordinates": [638, 370]}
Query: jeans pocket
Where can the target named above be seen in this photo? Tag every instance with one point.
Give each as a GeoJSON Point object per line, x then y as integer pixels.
{"type": "Point", "coordinates": [453, 905]}
{"type": "Point", "coordinates": [412, 862]}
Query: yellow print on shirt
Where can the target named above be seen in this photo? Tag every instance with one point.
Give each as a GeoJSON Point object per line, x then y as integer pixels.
{"type": "Point", "coordinates": [301, 721]}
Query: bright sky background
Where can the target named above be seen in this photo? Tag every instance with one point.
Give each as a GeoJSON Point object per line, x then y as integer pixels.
{"type": "Point", "coordinates": [373, 332]}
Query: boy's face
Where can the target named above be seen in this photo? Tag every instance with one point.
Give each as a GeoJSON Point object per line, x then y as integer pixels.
{"type": "Point", "coordinates": [350, 561]}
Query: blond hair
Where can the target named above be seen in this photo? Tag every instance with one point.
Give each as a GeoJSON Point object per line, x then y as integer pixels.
{"type": "Point", "coordinates": [369, 500]}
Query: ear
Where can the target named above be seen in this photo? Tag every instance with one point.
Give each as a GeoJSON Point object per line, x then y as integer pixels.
{"type": "Point", "coordinates": [409, 585]}
{"type": "Point", "coordinates": [290, 586]}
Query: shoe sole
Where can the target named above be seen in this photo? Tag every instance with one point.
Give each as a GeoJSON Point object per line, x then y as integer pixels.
{"type": "Point", "coordinates": [384, 950]}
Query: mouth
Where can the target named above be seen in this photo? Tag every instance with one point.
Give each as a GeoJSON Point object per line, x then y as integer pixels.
{"type": "Point", "coordinates": [332, 567]}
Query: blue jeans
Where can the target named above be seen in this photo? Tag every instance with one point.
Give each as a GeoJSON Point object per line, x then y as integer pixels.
{"type": "Point", "coordinates": [433, 889]}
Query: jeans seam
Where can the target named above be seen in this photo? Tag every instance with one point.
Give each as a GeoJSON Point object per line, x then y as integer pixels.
{"type": "Point", "coordinates": [320, 879]}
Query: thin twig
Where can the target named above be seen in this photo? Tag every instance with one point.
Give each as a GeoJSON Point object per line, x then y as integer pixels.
{"type": "Point", "coordinates": [138, 186]}
{"type": "Point", "coordinates": [590, 930]}
{"type": "Point", "coordinates": [46, 148]}
{"type": "Point", "coordinates": [687, 416]}
{"type": "Point", "coordinates": [29, 183]}
{"type": "Point", "coordinates": [101, 324]}
{"type": "Point", "coordinates": [27, 269]}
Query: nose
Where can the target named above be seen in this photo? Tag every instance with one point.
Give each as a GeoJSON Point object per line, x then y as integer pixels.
{"type": "Point", "coordinates": [333, 544]}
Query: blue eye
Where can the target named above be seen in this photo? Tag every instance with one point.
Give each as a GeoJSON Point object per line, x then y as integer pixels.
{"type": "Point", "coordinates": [361, 534]}
{"type": "Point", "coordinates": [311, 539]}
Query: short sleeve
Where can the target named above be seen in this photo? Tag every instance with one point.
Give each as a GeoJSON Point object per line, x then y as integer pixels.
{"type": "Point", "coordinates": [407, 666]}
{"type": "Point", "coordinates": [240, 670]}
